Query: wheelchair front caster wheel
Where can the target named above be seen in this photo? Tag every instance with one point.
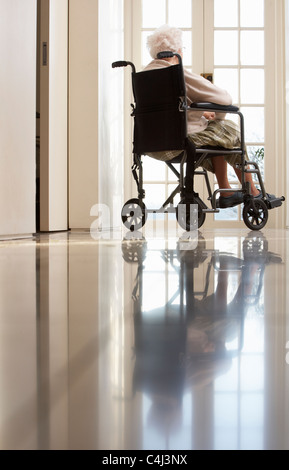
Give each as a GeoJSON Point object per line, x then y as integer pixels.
{"type": "Point", "coordinates": [255, 214]}
{"type": "Point", "coordinates": [134, 215]}
{"type": "Point", "coordinates": [134, 250]}
{"type": "Point", "coordinates": [190, 215]}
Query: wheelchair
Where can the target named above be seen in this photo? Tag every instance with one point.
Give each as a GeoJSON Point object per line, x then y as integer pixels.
{"type": "Point", "coordinates": [160, 123]}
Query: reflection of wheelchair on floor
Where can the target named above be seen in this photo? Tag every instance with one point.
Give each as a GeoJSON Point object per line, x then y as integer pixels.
{"type": "Point", "coordinates": [186, 338]}
{"type": "Point", "coordinates": [160, 123]}
{"type": "Point", "coordinates": [194, 337]}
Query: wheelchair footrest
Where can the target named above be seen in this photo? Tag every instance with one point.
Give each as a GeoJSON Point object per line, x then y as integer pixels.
{"type": "Point", "coordinates": [273, 203]}
{"type": "Point", "coordinates": [211, 211]}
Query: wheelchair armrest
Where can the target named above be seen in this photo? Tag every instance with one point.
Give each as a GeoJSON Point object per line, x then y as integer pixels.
{"type": "Point", "coordinates": [215, 107]}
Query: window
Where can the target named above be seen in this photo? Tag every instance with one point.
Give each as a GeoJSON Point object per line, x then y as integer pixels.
{"type": "Point", "coordinates": [239, 67]}
{"type": "Point", "coordinates": [238, 47]}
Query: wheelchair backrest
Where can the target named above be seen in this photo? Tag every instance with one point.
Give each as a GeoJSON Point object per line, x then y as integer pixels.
{"type": "Point", "coordinates": [159, 122]}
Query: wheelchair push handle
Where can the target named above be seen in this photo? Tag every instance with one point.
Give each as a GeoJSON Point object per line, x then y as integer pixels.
{"type": "Point", "coordinates": [123, 63]}
{"type": "Point", "coordinates": [120, 63]}
{"type": "Point", "coordinates": [169, 55]}
{"type": "Point", "coordinates": [165, 55]}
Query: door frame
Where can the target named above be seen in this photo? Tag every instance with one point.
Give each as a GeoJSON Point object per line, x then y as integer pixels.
{"type": "Point", "coordinates": [53, 106]}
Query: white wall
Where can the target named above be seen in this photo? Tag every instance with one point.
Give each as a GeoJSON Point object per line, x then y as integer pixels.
{"type": "Point", "coordinates": [83, 111]}
{"type": "Point", "coordinates": [17, 116]}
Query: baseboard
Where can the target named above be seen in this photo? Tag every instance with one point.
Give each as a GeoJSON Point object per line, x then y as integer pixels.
{"type": "Point", "coordinates": [24, 236]}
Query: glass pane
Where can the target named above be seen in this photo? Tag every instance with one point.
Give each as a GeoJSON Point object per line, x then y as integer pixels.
{"type": "Point", "coordinates": [254, 124]}
{"type": "Point", "coordinates": [187, 51]}
{"type": "Point", "coordinates": [171, 188]}
{"type": "Point", "coordinates": [227, 214]}
{"type": "Point", "coordinates": [257, 154]}
{"type": "Point", "coordinates": [252, 86]}
{"type": "Point", "coordinates": [153, 170]}
{"type": "Point", "coordinates": [155, 195]}
{"type": "Point", "coordinates": [228, 79]}
{"type": "Point", "coordinates": [226, 48]}
{"type": "Point", "coordinates": [252, 48]}
{"type": "Point", "coordinates": [155, 20]}
{"type": "Point", "coordinates": [226, 13]}
{"type": "Point", "coordinates": [252, 13]}
{"type": "Point", "coordinates": [180, 13]}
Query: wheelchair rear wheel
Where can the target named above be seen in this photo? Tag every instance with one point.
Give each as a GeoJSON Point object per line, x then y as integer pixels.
{"type": "Point", "coordinates": [134, 215]}
{"type": "Point", "coordinates": [255, 214]}
{"type": "Point", "coordinates": [187, 217]}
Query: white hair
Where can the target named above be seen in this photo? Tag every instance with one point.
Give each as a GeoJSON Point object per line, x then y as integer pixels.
{"type": "Point", "coordinates": [165, 38]}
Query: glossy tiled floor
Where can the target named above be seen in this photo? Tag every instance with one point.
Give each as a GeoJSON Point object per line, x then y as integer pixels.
{"type": "Point", "coordinates": [151, 343]}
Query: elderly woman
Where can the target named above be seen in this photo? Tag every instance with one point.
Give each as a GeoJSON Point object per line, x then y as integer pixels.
{"type": "Point", "coordinates": [203, 129]}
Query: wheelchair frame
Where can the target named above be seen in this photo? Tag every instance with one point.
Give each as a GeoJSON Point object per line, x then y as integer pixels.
{"type": "Point", "coordinates": [255, 211]}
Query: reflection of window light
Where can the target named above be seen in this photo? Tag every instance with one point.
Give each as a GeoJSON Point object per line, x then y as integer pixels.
{"type": "Point", "coordinates": [242, 389]}
{"type": "Point", "coordinates": [227, 244]}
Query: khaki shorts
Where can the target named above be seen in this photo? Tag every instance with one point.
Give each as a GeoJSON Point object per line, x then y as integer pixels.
{"type": "Point", "coordinates": [224, 134]}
